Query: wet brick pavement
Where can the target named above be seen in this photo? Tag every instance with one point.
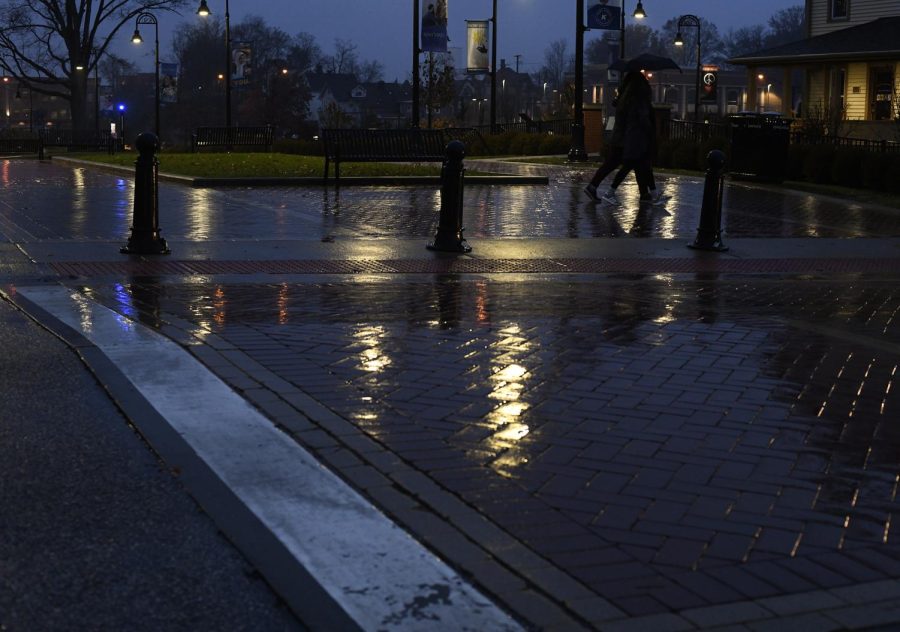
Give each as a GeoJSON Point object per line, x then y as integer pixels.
{"type": "Point", "coordinates": [101, 207]}
{"type": "Point", "coordinates": [586, 446]}
{"type": "Point", "coordinates": [670, 443]}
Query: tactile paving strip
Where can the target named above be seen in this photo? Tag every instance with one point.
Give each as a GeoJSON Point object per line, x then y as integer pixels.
{"type": "Point", "coordinates": [477, 266]}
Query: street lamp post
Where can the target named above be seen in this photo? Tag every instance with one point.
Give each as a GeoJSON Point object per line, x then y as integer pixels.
{"type": "Point", "coordinates": [577, 151]}
{"type": "Point", "coordinates": [692, 20]}
{"type": "Point", "coordinates": [639, 14]}
{"type": "Point", "coordinates": [203, 11]}
{"type": "Point", "coordinates": [149, 18]}
{"type": "Point", "coordinates": [494, 68]}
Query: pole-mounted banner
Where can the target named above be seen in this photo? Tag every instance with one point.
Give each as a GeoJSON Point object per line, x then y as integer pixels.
{"type": "Point", "coordinates": [709, 78]}
{"type": "Point", "coordinates": [477, 45]}
{"type": "Point", "coordinates": [434, 26]}
{"type": "Point", "coordinates": [604, 14]}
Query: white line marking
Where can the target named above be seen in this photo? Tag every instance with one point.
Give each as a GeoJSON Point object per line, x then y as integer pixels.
{"type": "Point", "coordinates": [380, 575]}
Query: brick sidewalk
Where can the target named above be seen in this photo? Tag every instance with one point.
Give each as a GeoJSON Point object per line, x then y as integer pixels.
{"type": "Point", "coordinates": [666, 444]}
{"type": "Point", "coordinates": [616, 442]}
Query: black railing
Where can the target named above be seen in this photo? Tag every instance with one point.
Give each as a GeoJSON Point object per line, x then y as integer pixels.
{"type": "Point", "coordinates": [701, 132]}
{"type": "Point", "coordinates": [556, 126]}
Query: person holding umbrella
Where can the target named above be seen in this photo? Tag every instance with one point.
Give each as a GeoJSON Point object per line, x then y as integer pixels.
{"type": "Point", "coordinates": [632, 143]}
{"type": "Point", "coordinates": [642, 146]}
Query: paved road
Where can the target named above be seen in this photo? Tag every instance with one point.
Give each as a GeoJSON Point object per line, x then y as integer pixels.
{"type": "Point", "coordinates": [97, 532]}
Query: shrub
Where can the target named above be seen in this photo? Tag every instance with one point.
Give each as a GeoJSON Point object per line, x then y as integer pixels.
{"type": "Point", "coordinates": [795, 161]}
{"type": "Point", "coordinates": [817, 165]}
{"type": "Point", "coordinates": [892, 175]}
{"type": "Point", "coordinates": [685, 155]}
{"type": "Point", "coordinates": [846, 167]}
{"type": "Point", "coordinates": [874, 171]}
{"type": "Point", "coordinates": [552, 144]}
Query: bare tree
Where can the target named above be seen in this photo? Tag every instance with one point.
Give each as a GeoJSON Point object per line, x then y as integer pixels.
{"type": "Point", "coordinates": [345, 58]}
{"type": "Point", "coordinates": [787, 25]}
{"type": "Point", "coordinates": [52, 46]}
{"type": "Point", "coordinates": [556, 62]}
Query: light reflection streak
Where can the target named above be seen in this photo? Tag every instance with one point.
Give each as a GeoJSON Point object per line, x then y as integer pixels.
{"type": "Point", "coordinates": [79, 215]}
{"type": "Point", "coordinates": [283, 297]}
{"type": "Point", "coordinates": [372, 358]}
{"type": "Point", "coordinates": [507, 386]}
{"type": "Point", "coordinates": [219, 305]}
{"type": "Point", "coordinates": [85, 313]}
{"type": "Point", "coordinates": [198, 214]}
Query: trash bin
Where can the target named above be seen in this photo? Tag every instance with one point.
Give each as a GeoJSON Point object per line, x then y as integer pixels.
{"type": "Point", "coordinates": [759, 146]}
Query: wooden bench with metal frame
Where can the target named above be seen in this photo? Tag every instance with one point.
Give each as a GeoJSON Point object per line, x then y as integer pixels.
{"type": "Point", "coordinates": [230, 137]}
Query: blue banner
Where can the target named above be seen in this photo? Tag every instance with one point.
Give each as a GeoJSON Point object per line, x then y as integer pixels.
{"type": "Point", "coordinates": [434, 26]}
{"type": "Point", "coordinates": [604, 15]}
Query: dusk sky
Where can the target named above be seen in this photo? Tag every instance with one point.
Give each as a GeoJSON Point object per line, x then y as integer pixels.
{"type": "Point", "coordinates": [382, 29]}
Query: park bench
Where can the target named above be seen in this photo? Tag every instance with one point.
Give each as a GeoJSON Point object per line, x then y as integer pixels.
{"type": "Point", "coordinates": [77, 140]}
{"type": "Point", "coordinates": [382, 145]}
{"type": "Point", "coordinates": [229, 137]}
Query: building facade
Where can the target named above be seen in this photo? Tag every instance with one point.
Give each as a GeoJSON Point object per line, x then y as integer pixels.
{"type": "Point", "coordinates": [850, 62]}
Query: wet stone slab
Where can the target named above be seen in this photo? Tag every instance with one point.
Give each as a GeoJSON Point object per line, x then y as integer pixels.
{"type": "Point", "coordinates": [670, 442]}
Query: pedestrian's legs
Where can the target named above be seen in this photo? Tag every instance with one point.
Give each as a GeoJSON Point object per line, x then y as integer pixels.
{"type": "Point", "coordinates": [613, 160]}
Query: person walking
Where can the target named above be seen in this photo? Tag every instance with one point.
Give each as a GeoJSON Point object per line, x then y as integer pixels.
{"type": "Point", "coordinates": [615, 147]}
{"type": "Point", "coordinates": [633, 143]}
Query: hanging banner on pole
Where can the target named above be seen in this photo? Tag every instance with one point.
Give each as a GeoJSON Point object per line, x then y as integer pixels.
{"type": "Point", "coordinates": [477, 32]}
{"type": "Point", "coordinates": [241, 63]}
{"type": "Point", "coordinates": [168, 83]}
{"type": "Point", "coordinates": [710, 80]}
{"type": "Point", "coordinates": [434, 26]}
{"type": "Point", "coordinates": [604, 15]}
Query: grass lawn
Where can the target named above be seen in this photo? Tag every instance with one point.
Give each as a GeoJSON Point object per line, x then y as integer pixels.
{"type": "Point", "coordinates": [249, 165]}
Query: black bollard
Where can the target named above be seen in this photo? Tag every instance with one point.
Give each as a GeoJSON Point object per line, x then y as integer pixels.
{"type": "Point", "coordinates": [449, 236]}
{"type": "Point", "coordinates": [145, 238]}
{"type": "Point", "coordinates": [709, 234]}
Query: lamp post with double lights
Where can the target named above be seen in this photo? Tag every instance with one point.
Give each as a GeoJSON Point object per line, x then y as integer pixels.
{"type": "Point", "coordinates": [149, 18]}
{"type": "Point", "coordinates": [694, 21]}
{"type": "Point", "coordinates": [204, 11]}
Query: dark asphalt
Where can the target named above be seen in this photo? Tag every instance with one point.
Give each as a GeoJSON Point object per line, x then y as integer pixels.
{"type": "Point", "coordinates": [96, 533]}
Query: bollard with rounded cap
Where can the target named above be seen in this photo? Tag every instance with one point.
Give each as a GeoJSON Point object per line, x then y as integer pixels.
{"type": "Point", "coordinates": [709, 233]}
{"type": "Point", "coordinates": [449, 236]}
{"type": "Point", "coordinates": [145, 238]}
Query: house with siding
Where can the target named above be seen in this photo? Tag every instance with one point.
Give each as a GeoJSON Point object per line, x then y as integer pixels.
{"type": "Point", "coordinates": [850, 60]}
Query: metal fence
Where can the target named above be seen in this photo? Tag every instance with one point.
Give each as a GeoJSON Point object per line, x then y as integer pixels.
{"type": "Point", "coordinates": [701, 132]}
{"type": "Point", "coordinates": [555, 126]}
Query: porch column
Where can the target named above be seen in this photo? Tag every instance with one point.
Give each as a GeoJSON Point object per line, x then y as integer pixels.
{"type": "Point", "coordinates": [787, 99]}
{"type": "Point", "coordinates": [752, 82]}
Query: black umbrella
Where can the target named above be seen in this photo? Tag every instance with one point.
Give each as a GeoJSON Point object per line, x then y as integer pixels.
{"type": "Point", "coordinates": [645, 61]}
